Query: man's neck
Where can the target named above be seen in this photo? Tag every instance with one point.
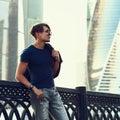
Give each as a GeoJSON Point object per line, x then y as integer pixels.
{"type": "Point", "coordinates": [39, 45]}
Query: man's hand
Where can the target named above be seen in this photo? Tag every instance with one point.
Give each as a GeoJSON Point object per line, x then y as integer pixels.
{"type": "Point", "coordinates": [55, 54]}
{"type": "Point", "coordinates": [38, 92]}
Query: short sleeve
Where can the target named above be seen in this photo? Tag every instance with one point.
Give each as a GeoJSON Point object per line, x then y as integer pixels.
{"type": "Point", "coordinates": [25, 56]}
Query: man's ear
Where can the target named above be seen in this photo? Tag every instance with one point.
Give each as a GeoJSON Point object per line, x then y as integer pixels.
{"type": "Point", "coordinates": [38, 34]}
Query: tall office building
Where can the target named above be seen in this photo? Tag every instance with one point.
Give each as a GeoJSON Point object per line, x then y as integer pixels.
{"type": "Point", "coordinates": [16, 17]}
{"type": "Point", "coordinates": [33, 13]}
{"type": "Point", "coordinates": [103, 46]}
{"type": "Point", "coordinates": [110, 77]}
{"type": "Point", "coordinates": [12, 42]}
{"type": "Point", "coordinates": [1, 42]}
{"type": "Point", "coordinates": [4, 6]}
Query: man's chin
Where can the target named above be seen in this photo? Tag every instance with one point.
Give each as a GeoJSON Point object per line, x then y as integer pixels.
{"type": "Point", "coordinates": [47, 40]}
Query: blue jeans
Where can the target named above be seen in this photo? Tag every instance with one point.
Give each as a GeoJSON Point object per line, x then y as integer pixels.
{"type": "Point", "coordinates": [50, 103]}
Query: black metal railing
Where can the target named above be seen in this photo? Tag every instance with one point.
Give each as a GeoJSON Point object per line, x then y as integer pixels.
{"type": "Point", "coordinates": [103, 106]}
{"type": "Point", "coordinates": [15, 102]}
{"type": "Point", "coordinates": [79, 104]}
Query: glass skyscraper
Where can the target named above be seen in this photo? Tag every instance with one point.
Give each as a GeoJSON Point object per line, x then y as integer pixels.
{"type": "Point", "coordinates": [102, 37]}
{"type": "Point", "coordinates": [16, 17]}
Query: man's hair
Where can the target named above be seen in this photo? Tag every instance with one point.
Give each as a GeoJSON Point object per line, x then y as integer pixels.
{"type": "Point", "coordinates": [38, 28]}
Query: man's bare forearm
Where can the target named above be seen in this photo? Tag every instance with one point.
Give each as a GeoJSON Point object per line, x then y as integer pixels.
{"type": "Point", "coordinates": [56, 66]}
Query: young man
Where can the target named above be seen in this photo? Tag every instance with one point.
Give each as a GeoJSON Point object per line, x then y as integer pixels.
{"type": "Point", "coordinates": [42, 66]}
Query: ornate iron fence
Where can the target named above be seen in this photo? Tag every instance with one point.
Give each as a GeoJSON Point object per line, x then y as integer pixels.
{"type": "Point", "coordinates": [15, 102]}
{"type": "Point", "coordinates": [103, 106]}
{"type": "Point", "coordinates": [79, 104]}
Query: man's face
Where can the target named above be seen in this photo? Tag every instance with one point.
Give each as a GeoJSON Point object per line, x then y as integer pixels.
{"type": "Point", "coordinates": [45, 35]}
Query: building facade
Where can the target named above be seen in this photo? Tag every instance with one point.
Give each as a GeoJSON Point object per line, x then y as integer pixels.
{"type": "Point", "coordinates": [16, 17]}
{"type": "Point", "coordinates": [103, 30]}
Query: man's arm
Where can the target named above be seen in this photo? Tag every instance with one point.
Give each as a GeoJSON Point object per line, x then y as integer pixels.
{"type": "Point", "coordinates": [22, 79]}
{"type": "Point", "coordinates": [57, 62]}
{"type": "Point", "coordinates": [22, 66]}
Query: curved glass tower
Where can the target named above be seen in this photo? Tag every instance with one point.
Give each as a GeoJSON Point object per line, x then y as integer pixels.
{"type": "Point", "coordinates": [104, 25]}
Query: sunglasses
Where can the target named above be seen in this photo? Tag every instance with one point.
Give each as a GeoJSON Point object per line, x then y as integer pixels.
{"type": "Point", "coordinates": [48, 32]}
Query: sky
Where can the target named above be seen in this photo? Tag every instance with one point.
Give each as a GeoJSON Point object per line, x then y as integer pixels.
{"type": "Point", "coordinates": [67, 19]}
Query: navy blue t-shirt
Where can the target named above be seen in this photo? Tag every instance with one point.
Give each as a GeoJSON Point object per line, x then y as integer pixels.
{"type": "Point", "coordinates": [40, 66]}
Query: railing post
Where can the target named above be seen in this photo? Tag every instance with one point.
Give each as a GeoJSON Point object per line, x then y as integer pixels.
{"type": "Point", "coordinates": [82, 115]}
